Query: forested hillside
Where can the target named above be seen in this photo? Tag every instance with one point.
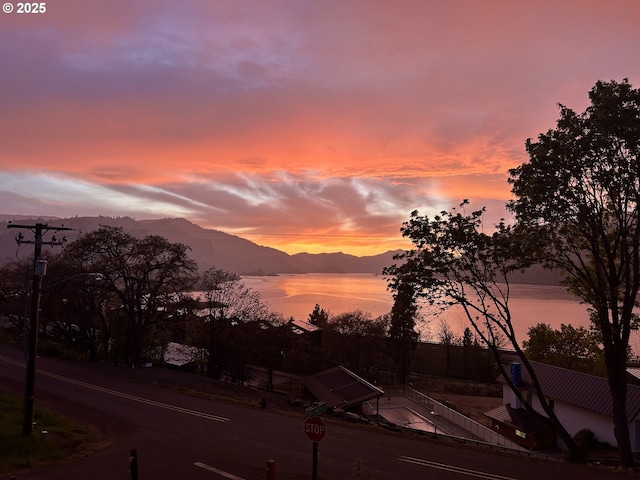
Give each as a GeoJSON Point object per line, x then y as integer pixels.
{"type": "Point", "coordinates": [208, 247]}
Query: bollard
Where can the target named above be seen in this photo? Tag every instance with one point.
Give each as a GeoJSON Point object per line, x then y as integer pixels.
{"type": "Point", "coordinates": [271, 470]}
{"type": "Point", "coordinates": [133, 460]}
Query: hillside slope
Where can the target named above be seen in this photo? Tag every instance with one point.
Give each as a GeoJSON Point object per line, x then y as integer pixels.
{"type": "Point", "coordinates": [208, 247]}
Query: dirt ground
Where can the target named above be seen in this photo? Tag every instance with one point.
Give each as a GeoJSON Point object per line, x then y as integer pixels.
{"type": "Point", "coordinates": [469, 398]}
{"type": "Point", "coordinates": [472, 406]}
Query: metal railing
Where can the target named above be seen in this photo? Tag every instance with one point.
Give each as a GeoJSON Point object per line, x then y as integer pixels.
{"type": "Point", "coordinates": [484, 434]}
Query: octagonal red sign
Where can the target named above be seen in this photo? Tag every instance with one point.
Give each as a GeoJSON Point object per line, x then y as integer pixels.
{"type": "Point", "coordinates": [314, 429]}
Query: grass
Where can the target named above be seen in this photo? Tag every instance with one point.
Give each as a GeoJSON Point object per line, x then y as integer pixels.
{"type": "Point", "coordinates": [64, 440]}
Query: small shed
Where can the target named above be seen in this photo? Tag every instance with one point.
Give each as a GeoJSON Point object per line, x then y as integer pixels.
{"type": "Point", "coordinates": [523, 427]}
{"type": "Point", "coordinates": [339, 387]}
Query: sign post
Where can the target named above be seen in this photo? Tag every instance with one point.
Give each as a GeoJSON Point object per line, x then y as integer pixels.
{"type": "Point", "coordinates": [314, 464]}
{"type": "Point", "coordinates": [315, 431]}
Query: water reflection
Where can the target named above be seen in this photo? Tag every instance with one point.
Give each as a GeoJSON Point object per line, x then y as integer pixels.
{"type": "Point", "coordinates": [296, 296]}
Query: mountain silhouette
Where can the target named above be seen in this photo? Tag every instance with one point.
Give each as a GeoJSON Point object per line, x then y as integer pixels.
{"type": "Point", "coordinates": [209, 248]}
{"type": "Point", "coordinates": [213, 248]}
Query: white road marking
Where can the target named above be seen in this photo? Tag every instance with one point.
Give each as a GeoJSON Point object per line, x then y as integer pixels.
{"type": "Point", "coordinates": [9, 360]}
{"type": "Point", "coordinates": [453, 468]}
{"type": "Point", "coordinates": [115, 393]}
{"type": "Point", "coordinates": [222, 473]}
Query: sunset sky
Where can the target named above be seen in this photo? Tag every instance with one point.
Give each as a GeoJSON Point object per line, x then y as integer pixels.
{"type": "Point", "coordinates": [303, 125]}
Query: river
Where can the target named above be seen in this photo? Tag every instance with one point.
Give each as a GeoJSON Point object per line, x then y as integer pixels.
{"type": "Point", "coordinates": [296, 296]}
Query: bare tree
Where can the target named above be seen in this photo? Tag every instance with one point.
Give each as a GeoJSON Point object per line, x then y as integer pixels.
{"type": "Point", "coordinates": [230, 322]}
{"type": "Point", "coordinates": [149, 277]}
{"type": "Point", "coordinates": [448, 339]}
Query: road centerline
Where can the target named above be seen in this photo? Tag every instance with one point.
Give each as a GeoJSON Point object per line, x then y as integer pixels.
{"type": "Point", "coordinates": [453, 468]}
{"type": "Point", "coordinates": [217, 471]}
{"type": "Point", "coordinates": [134, 398]}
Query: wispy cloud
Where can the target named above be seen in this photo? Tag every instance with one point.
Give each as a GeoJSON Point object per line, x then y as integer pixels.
{"type": "Point", "coordinates": [302, 125]}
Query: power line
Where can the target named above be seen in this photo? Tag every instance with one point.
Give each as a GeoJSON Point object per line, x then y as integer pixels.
{"type": "Point", "coordinates": [39, 270]}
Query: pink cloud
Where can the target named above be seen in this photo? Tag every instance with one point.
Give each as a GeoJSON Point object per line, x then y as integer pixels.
{"type": "Point", "coordinates": [258, 118]}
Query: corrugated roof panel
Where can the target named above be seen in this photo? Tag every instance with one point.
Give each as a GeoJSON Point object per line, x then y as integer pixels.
{"type": "Point", "coordinates": [579, 389]}
{"type": "Point", "coordinates": [340, 387]}
{"type": "Point", "coordinates": [518, 418]}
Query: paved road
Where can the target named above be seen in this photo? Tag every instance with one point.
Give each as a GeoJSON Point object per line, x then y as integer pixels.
{"type": "Point", "coordinates": [180, 436]}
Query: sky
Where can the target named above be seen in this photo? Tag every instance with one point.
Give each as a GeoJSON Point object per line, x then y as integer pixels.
{"type": "Point", "coordinates": [304, 125]}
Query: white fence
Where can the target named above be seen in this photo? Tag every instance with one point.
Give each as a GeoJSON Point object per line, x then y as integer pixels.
{"type": "Point", "coordinates": [484, 434]}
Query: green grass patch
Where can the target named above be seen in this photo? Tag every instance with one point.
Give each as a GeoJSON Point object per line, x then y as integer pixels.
{"type": "Point", "coordinates": [64, 441]}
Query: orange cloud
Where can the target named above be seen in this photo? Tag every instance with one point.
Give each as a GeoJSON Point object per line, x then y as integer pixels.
{"type": "Point", "coordinates": [302, 127]}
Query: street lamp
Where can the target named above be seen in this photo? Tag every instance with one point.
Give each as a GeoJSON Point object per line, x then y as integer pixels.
{"type": "Point", "coordinates": [40, 270]}
{"type": "Point", "coordinates": [91, 276]}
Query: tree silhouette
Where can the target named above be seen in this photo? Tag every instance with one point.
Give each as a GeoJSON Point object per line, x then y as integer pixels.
{"type": "Point", "coordinates": [455, 263]}
{"type": "Point", "coordinates": [578, 198]}
{"type": "Point", "coordinates": [149, 276]}
{"type": "Point", "coordinates": [402, 334]}
{"type": "Point", "coordinates": [229, 327]}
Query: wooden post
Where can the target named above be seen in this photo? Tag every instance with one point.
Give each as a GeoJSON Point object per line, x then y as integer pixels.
{"type": "Point", "coordinates": [133, 460]}
{"type": "Point", "coordinates": [271, 470]}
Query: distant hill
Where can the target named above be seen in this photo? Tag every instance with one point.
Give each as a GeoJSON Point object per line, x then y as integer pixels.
{"type": "Point", "coordinates": [228, 252]}
{"type": "Point", "coordinates": [208, 247]}
{"type": "Point", "coordinates": [342, 262]}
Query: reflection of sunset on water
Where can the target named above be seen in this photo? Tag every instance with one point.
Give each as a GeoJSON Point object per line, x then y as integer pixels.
{"type": "Point", "coordinates": [297, 295]}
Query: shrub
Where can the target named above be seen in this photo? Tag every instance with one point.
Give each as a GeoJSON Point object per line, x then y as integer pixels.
{"type": "Point", "coordinates": [585, 439]}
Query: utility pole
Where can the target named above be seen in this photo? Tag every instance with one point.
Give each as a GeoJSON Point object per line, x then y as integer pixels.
{"type": "Point", "coordinates": [39, 270]}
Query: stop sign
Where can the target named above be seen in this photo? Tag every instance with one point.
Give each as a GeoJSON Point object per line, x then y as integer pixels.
{"type": "Point", "coordinates": [314, 429]}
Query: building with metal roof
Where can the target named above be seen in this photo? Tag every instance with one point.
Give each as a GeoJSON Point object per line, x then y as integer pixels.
{"type": "Point", "coordinates": [579, 400]}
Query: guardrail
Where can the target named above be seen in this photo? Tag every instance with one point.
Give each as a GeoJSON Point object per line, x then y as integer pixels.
{"type": "Point", "coordinates": [485, 435]}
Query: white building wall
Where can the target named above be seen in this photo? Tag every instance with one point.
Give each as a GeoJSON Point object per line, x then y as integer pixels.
{"type": "Point", "coordinates": [575, 419]}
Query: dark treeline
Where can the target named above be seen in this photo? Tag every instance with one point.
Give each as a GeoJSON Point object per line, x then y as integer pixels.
{"type": "Point", "coordinates": [144, 298]}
